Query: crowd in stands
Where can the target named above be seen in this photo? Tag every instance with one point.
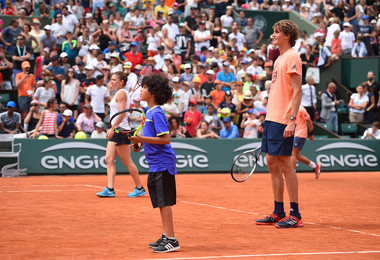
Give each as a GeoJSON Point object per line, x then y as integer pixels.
{"type": "Point", "coordinates": [217, 61]}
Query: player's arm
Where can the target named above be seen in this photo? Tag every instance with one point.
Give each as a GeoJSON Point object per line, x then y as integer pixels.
{"type": "Point", "coordinates": [163, 138]}
{"type": "Point", "coordinates": [296, 80]}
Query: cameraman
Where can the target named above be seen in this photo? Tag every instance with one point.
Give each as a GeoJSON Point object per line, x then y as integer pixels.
{"type": "Point", "coordinates": [25, 83]}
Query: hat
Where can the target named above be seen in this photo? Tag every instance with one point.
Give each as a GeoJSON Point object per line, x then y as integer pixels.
{"type": "Point", "coordinates": [224, 31]}
{"type": "Point", "coordinates": [202, 22]}
{"type": "Point", "coordinates": [186, 83]}
{"type": "Point", "coordinates": [160, 47]}
{"type": "Point", "coordinates": [211, 48]}
{"type": "Point", "coordinates": [175, 79]}
{"type": "Point", "coordinates": [177, 50]}
{"type": "Point", "coordinates": [187, 66]}
{"type": "Point", "coordinates": [262, 113]}
{"type": "Point", "coordinates": [115, 55]}
{"type": "Point", "coordinates": [138, 67]}
{"type": "Point", "coordinates": [112, 43]}
{"type": "Point", "coordinates": [227, 119]}
{"type": "Point", "coordinates": [182, 25]}
{"type": "Point", "coordinates": [365, 17]}
{"type": "Point", "coordinates": [251, 111]}
{"type": "Point", "coordinates": [247, 95]}
{"type": "Point", "coordinates": [67, 112]}
{"type": "Point", "coordinates": [111, 5]}
{"type": "Point", "coordinates": [176, 4]}
{"type": "Point", "coordinates": [243, 75]}
{"type": "Point", "coordinates": [55, 57]}
{"type": "Point", "coordinates": [197, 80]}
{"type": "Point", "coordinates": [89, 67]}
{"type": "Point", "coordinates": [228, 93]}
{"type": "Point", "coordinates": [267, 64]}
{"type": "Point", "coordinates": [217, 81]}
{"type": "Point", "coordinates": [93, 47]}
{"type": "Point", "coordinates": [34, 101]}
{"type": "Point", "coordinates": [106, 67]}
{"type": "Point", "coordinates": [318, 34]}
{"type": "Point", "coordinates": [192, 101]}
{"type": "Point", "coordinates": [88, 15]}
{"type": "Point", "coordinates": [36, 20]}
{"type": "Point", "coordinates": [11, 104]}
{"type": "Point", "coordinates": [87, 106]}
{"type": "Point", "coordinates": [210, 72]}
{"type": "Point", "coordinates": [47, 50]}
{"type": "Point", "coordinates": [127, 65]}
{"type": "Point", "coordinates": [47, 27]}
{"type": "Point", "coordinates": [80, 63]}
{"type": "Point", "coordinates": [160, 12]}
{"type": "Point", "coordinates": [63, 55]}
{"type": "Point", "coordinates": [134, 44]}
{"type": "Point", "coordinates": [244, 61]}
{"type": "Point", "coordinates": [151, 59]}
{"type": "Point", "coordinates": [168, 57]}
{"type": "Point", "coordinates": [243, 49]}
{"type": "Point", "coordinates": [99, 124]}
{"type": "Point", "coordinates": [373, 21]}
{"type": "Point", "coordinates": [229, 7]}
{"type": "Point", "coordinates": [47, 79]}
{"type": "Point", "coordinates": [137, 98]}
{"type": "Point", "coordinates": [170, 11]}
{"type": "Point", "coordinates": [346, 24]}
{"type": "Point", "coordinates": [25, 64]}
{"type": "Point", "coordinates": [251, 50]}
{"type": "Point", "coordinates": [226, 63]}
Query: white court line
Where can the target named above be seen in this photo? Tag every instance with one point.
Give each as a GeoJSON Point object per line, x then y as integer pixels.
{"type": "Point", "coordinates": [53, 185]}
{"type": "Point", "coordinates": [20, 191]}
{"type": "Point", "coordinates": [261, 255]}
{"type": "Point", "coordinates": [254, 213]}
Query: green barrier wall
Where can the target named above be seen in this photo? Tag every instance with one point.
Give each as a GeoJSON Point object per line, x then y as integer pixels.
{"type": "Point", "coordinates": [354, 71]}
{"type": "Point", "coordinates": [194, 156]}
{"type": "Point", "coordinates": [7, 19]}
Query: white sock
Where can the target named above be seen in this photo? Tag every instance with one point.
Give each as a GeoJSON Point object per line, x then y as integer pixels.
{"type": "Point", "coordinates": [312, 165]}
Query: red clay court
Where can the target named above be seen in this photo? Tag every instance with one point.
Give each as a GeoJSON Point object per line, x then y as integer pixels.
{"type": "Point", "coordinates": [60, 217]}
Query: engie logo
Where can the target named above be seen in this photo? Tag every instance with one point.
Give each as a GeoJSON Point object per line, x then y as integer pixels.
{"type": "Point", "coordinates": [246, 162]}
{"type": "Point", "coordinates": [65, 156]}
{"type": "Point", "coordinates": [188, 156]}
{"type": "Point", "coordinates": [345, 154]}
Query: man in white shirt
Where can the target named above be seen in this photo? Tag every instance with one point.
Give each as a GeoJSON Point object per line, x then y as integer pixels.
{"type": "Point", "coordinates": [202, 38]}
{"type": "Point", "coordinates": [159, 58]}
{"type": "Point", "coordinates": [172, 28]}
{"type": "Point", "coordinates": [69, 20]}
{"type": "Point", "coordinates": [348, 39]}
{"type": "Point", "coordinates": [240, 38]}
{"type": "Point", "coordinates": [59, 30]}
{"type": "Point", "coordinates": [309, 99]}
{"type": "Point", "coordinates": [178, 93]}
{"type": "Point", "coordinates": [254, 68]}
{"type": "Point", "coordinates": [130, 14]}
{"type": "Point", "coordinates": [99, 95]}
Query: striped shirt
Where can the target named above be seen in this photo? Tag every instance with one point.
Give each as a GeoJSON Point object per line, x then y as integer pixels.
{"type": "Point", "coordinates": [49, 122]}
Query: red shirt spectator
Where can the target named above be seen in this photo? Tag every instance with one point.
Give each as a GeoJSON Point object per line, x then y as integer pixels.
{"type": "Point", "coordinates": [134, 56]}
{"type": "Point", "coordinates": [192, 118]}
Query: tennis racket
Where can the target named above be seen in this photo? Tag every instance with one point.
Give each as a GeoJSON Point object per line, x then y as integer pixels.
{"type": "Point", "coordinates": [136, 120]}
{"type": "Point", "coordinates": [245, 164]}
{"type": "Point", "coordinates": [147, 70]}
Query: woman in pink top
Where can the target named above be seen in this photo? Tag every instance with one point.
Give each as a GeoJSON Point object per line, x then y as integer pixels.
{"type": "Point", "coordinates": [47, 125]}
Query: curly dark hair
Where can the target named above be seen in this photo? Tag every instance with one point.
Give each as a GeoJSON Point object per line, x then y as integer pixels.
{"type": "Point", "coordinates": [288, 27]}
{"type": "Point", "coordinates": [158, 86]}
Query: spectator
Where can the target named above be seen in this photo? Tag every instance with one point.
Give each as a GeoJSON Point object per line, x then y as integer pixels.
{"type": "Point", "coordinates": [308, 60]}
{"type": "Point", "coordinates": [21, 52]}
{"type": "Point", "coordinates": [208, 86]}
{"type": "Point", "coordinates": [236, 34]}
{"type": "Point", "coordinates": [329, 103]}
{"type": "Point", "coordinates": [104, 35]}
{"type": "Point", "coordinates": [58, 72]}
{"type": "Point", "coordinates": [253, 34]}
{"type": "Point", "coordinates": [63, 61]}
{"type": "Point", "coordinates": [176, 129]}
{"type": "Point", "coordinates": [68, 20]}
{"type": "Point", "coordinates": [59, 30]}
{"type": "Point", "coordinates": [242, 20]}
{"type": "Point", "coordinates": [98, 133]}
{"type": "Point", "coordinates": [275, 6]}
{"type": "Point", "coordinates": [352, 14]}
{"type": "Point", "coordinates": [230, 130]}
{"type": "Point", "coordinates": [220, 7]}
{"type": "Point", "coordinates": [187, 95]}
{"type": "Point", "coordinates": [225, 76]}
{"type": "Point", "coordinates": [97, 95]}
{"type": "Point", "coordinates": [10, 121]}
{"type": "Point", "coordinates": [47, 125]}
{"type": "Point", "coordinates": [358, 103]}
{"type": "Point", "coordinates": [162, 7]}
{"type": "Point", "coordinates": [9, 34]}
{"type": "Point", "coordinates": [215, 124]}
{"type": "Point", "coordinates": [159, 58]}
{"type": "Point", "coordinates": [244, 106]}
{"type": "Point", "coordinates": [114, 63]}
{"type": "Point", "coordinates": [192, 118]}
{"type": "Point", "coordinates": [25, 82]}
{"type": "Point", "coordinates": [48, 40]}
{"type": "Point", "coordinates": [70, 47]}
{"type": "Point", "coordinates": [187, 75]}
{"type": "Point", "coordinates": [359, 49]}
{"type": "Point", "coordinates": [44, 94]}
{"type": "Point", "coordinates": [10, 8]}
{"type": "Point", "coordinates": [217, 94]}
{"type": "Point", "coordinates": [202, 38]}
{"type": "Point", "coordinates": [66, 129]}
{"type": "Point", "coordinates": [178, 94]}
{"type": "Point", "coordinates": [373, 132]}
{"type": "Point", "coordinates": [227, 103]}
{"type": "Point", "coordinates": [336, 47]}
{"type": "Point", "coordinates": [250, 124]}
{"type": "Point", "coordinates": [367, 32]}
{"type": "Point", "coordinates": [348, 39]}
{"type": "Point", "coordinates": [80, 72]}
{"type": "Point", "coordinates": [204, 131]}
{"type": "Point", "coordinates": [170, 109]}
{"type": "Point", "coordinates": [86, 120]}
{"type": "Point", "coordinates": [369, 115]}
{"type": "Point", "coordinates": [198, 94]}
{"type": "Point", "coordinates": [334, 26]}
{"type": "Point", "coordinates": [171, 27]}
{"type": "Point", "coordinates": [375, 86]}
{"type": "Point", "coordinates": [6, 67]}
{"type": "Point", "coordinates": [324, 60]}
{"type": "Point", "coordinates": [43, 11]}
{"type": "Point", "coordinates": [309, 98]}
{"type": "Point", "coordinates": [31, 120]}
{"type": "Point", "coordinates": [111, 49]}
{"type": "Point", "coordinates": [70, 91]}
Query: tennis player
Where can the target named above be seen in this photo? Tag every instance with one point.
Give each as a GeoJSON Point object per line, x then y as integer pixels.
{"type": "Point", "coordinates": [303, 123]}
{"type": "Point", "coordinates": [119, 144]}
{"type": "Point", "coordinates": [277, 142]}
{"type": "Point", "coordinates": [161, 158]}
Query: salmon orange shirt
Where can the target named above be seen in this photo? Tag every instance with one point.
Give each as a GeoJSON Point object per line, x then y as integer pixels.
{"type": "Point", "coordinates": [26, 85]}
{"type": "Point", "coordinates": [281, 91]}
{"type": "Point", "coordinates": [301, 123]}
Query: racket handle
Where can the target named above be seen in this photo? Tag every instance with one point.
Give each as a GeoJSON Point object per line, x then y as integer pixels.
{"type": "Point", "coordinates": [136, 146]}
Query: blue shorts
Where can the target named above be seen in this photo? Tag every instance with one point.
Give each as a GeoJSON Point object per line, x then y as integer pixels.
{"type": "Point", "coordinates": [273, 141]}
{"type": "Point", "coordinates": [24, 103]}
{"type": "Point", "coordinates": [299, 142]}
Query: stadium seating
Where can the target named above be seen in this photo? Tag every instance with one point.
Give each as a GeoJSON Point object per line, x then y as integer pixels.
{"type": "Point", "coordinates": [350, 129]}
{"type": "Point", "coordinates": [328, 126]}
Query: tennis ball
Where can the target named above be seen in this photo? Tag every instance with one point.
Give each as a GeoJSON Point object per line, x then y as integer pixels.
{"type": "Point", "coordinates": [188, 120]}
{"type": "Point", "coordinates": [80, 135]}
{"type": "Point", "coordinates": [182, 66]}
{"type": "Point", "coordinates": [226, 111]}
{"type": "Point", "coordinates": [43, 137]}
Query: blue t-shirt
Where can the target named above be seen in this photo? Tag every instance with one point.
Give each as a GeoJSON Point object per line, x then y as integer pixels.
{"type": "Point", "coordinates": [57, 70]}
{"type": "Point", "coordinates": [160, 157]}
{"type": "Point", "coordinates": [233, 132]}
{"type": "Point", "coordinates": [225, 78]}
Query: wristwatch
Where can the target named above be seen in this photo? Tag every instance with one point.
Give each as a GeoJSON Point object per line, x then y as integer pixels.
{"type": "Point", "coordinates": [291, 118]}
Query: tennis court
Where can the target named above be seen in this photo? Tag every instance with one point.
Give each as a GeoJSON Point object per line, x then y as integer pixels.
{"type": "Point", "coordinates": [60, 217]}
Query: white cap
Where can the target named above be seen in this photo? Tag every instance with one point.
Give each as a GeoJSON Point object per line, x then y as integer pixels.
{"type": "Point", "coordinates": [128, 64]}
{"type": "Point", "coordinates": [47, 27]}
{"type": "Point", "coordinates": [210, 72]}
{"type": "Point", "coordinates": [226, 63]}
{"type": "Point", "coordinates": [89, 67]}
{"type": "Point", "coordinates": [187, 66]}
{"type": "Point", "coordinates": [168, 57]}
{"type": "Point", "coordinates": [63, 55]}
{"type": "Point", "coordinates": [211, 48]}
{"type": "Point", "coordinates": [224, 31]}
{"type": "Point", "coordinates": [251, 50]}
{"type": "Point", "coordinates": [175, 79]}
{"type": "Point", "coordinates": [346, 24]}
{"type": "Point", "coordinates": [99, 124]}
{"type": "Point", "coordinates": [88, 15]}
{"type": "Point", "coordinates": [94, 47]}
{"type": "Point", "coordinates": [318, 34]}
{"type": "Point", "coordinates": [67, 112]}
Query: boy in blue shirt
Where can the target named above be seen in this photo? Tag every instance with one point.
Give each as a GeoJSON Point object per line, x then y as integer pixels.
{"type": "Point", "coordinates": [160, 156]}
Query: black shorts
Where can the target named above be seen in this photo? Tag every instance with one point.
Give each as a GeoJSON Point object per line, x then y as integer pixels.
{"type": "Point", "coordinates": [119, 139]}
{"type": "Point", "coordinates": [273, 141]}
{"type": "Point", "coordinates": [162, 189]}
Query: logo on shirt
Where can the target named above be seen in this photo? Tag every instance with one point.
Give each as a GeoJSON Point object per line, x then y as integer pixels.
{"type": "Point", "coordinates": [294, 67]}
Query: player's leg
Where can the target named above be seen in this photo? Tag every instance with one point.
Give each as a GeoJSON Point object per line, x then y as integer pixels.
{"type": "Point", "coordinates": [111, 170]}
{"type": "Point", "coordinates": [167, 220]}
{"type": "Point", "coordinates": [124, 151]}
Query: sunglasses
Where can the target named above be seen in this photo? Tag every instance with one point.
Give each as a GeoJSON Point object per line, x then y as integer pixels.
{"type": "Point", "coordinates": [34, 105]}
{"type": "Point", "coordinates": [70, 71]}
{"type": "Point", "coordinates": [20, 39]}
{"type": "Point", "coordinates": [43, 74]}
